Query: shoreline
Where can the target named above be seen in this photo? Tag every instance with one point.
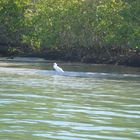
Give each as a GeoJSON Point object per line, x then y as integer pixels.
{"type": "Point", "coordinates": [36, 59]}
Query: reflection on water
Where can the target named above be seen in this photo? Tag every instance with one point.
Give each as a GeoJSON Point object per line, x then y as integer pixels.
{"type": "Point", "coordinates": [38, 104]}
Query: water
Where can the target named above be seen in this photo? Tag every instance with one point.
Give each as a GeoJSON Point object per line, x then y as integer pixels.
{"type": "Point", "coordinates": [101, 102]}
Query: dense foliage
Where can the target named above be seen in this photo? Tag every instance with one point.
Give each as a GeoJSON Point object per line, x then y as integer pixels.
{"type": "Point", "coordinates": [62, 24]}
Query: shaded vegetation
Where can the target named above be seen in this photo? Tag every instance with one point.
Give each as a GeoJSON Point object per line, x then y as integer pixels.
{"type": "Point", "coordinates": [96, 31]}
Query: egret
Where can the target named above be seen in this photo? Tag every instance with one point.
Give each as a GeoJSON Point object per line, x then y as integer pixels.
{"type": "Point", "coordinates": [57, 68]}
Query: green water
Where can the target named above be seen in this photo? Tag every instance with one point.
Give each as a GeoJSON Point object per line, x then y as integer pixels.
{"type": "Point", "coordinates": [101, 102]}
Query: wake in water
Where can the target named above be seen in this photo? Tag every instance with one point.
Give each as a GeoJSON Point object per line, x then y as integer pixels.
{"type": "Point", "coordinates": [25, 71]}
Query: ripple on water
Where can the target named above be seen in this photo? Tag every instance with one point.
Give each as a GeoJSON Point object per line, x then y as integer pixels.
{"type": "Point", "coordinates": [38, 104]}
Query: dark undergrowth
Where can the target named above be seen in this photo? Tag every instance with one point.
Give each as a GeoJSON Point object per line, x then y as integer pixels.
{"type": "Point", "coordinates": [112, 55]}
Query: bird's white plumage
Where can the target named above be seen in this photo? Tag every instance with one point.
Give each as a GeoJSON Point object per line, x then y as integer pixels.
{"type": "Point", "coordinates": [57, 68]}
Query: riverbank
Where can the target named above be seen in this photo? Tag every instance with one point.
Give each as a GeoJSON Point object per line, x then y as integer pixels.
{"type": "Point", "coordinates": [129, 57]}
{"type": "Point", "coordinates": [112, 55]}
{"type": "Point", "coordinates": [133, 60]}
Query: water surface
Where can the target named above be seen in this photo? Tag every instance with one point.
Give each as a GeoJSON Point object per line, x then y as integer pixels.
{"type": "Point", "coordinates": [86, 102]}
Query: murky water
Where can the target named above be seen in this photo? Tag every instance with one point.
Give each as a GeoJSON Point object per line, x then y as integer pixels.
{"type": "Point", "coordinates": [94, 102]}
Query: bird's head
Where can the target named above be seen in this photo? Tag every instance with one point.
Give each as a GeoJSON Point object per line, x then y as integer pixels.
{"type": "Point", "coordinates": [54, 64]}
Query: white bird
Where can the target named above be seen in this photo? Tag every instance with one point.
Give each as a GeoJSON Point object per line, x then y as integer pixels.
{"type": "Point", "coordinates": [57, 68]}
